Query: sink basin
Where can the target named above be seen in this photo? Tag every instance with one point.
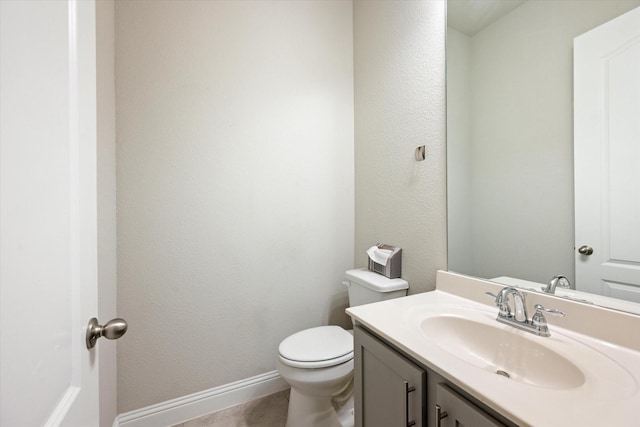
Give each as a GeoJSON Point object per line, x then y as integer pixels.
{"type": "Point", "coordinates": [503, 350]}
{"type": "Point", "coordinates": [472, 344]}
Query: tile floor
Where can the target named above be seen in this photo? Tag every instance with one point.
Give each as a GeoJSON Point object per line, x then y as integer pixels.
{"type": "Point", "coordinates": [268, 411]}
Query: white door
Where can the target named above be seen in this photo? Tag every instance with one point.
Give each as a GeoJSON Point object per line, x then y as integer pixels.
{"type": "Point", "coordinates": [607, 157]}
{"type": "Point", "coordinates": [48, 213]}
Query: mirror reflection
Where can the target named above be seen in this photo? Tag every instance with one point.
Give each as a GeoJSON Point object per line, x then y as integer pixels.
{"type": "Point", "coordinates": [511, 132]}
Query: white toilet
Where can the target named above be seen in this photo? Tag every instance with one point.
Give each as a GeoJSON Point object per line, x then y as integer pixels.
{"type": "Point", "coordinates": [318, 362]}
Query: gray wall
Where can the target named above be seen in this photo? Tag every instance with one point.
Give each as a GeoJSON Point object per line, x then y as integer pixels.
{"type": "Point", "coordinates": [235, 186]}
{"type": "Point", "coordinates": [459, 162]}
{"type": "Point", "coordinates": [235, 126]}
{"type": "Point", "coordinates": [399, 66]}
{"type": "Point", "coordinates": [106, 190]}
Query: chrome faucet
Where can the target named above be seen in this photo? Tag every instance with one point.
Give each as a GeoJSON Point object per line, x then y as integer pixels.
{"type": "Point", "coordinates": [518, 317]}
{"type": "Point", "coordinates": [519, 304]}
{"type": "Point", "coordinates": [558, 280]}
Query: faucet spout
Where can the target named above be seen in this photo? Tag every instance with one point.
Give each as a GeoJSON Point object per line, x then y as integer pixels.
{"type": "Point", "coordinates": [558, 280]}
{"type": "Point", "coordinates": [519, 313]}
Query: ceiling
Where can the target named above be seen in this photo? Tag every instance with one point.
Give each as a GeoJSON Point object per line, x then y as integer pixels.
{"type": "Point", "coordinates": [471, 16]}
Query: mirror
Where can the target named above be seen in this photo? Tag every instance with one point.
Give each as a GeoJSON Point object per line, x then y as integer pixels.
{"type": "Point", "coordinates": [510, 131]}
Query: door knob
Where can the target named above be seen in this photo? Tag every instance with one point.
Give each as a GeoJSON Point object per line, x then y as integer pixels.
{"type": "Point", "coordinates": [112, 330]}
{"type": "Point", "coordinates": [585, 250]}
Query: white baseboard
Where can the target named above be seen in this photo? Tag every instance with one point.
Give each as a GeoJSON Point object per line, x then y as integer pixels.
{"type": "Point", "coordinates": [198, 404]}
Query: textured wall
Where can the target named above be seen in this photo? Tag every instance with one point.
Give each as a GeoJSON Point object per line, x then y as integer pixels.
{"type": "Point", "coordinates": [399, 69]}
{"type": "Point", "coordinates": [235, 186]}
{"type": "Point", "coordinates": [106, 190]}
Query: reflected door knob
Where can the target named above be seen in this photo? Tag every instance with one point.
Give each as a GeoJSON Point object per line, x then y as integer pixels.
{"type": "Point", "coordinates": [585, 250]}
{"type": "Point", "coordinates": [112, 330]}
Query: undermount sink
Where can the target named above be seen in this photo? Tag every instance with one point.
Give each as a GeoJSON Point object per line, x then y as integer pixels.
{"type": "Point", "coordinates": [506, 352]}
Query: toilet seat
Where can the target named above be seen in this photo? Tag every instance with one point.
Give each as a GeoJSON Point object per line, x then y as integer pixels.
{"type": "Point", "coordinates": [318, 347]}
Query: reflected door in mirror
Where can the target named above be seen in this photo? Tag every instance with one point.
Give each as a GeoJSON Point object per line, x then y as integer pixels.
{"type": "Point", "coordinates": [607, 157]}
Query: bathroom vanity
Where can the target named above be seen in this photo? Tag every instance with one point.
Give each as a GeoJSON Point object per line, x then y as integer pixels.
{"type": "Point", "coordinates": [441, 359]}
{"type": "Point", "coordinates": [393, 389]}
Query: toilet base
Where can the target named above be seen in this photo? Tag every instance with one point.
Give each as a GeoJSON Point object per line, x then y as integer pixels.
{"type": "Point", "coordinates": [306, 411]}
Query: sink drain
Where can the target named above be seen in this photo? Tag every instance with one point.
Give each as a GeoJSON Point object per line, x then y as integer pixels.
{"type": "Point", "coordinates": [503, 373]}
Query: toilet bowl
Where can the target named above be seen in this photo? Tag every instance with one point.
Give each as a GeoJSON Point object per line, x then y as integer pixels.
{"type": "Point", "coordinates": [318, 362]}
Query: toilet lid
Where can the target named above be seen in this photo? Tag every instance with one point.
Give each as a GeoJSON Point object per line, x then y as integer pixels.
{"type": "Point", "coordinates": [317, 347]}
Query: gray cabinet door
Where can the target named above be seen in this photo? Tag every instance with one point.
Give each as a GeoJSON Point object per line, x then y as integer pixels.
{"type": "Point", "coordinates": [460, 412]}
{"type": "Point", "coordinates": [389, 390]}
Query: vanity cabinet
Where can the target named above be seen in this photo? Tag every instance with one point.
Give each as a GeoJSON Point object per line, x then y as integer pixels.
{"type": "Point", "coordinates": [391, 390]}
{"type": "Point", "coordinates": [451, 409]}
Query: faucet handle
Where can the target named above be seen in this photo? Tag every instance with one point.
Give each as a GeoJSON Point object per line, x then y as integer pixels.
{"type": "Point", "coordinates": [540, 308]}
{"type": "Point", "coordinates": [539, 322]}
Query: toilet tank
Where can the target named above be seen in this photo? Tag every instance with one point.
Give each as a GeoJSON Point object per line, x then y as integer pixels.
{"type": "Point", "coordinates": [366, 287]}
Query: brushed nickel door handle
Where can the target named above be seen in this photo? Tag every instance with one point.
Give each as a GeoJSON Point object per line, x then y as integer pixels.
{"type": "Point", "coordinates": [112, 330]}
{"type": "Point", "coordinates": [585, 250]}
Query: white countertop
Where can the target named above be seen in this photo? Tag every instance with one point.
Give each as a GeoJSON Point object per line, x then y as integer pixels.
{"type": "Point", "coordinates": [602, 400]}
